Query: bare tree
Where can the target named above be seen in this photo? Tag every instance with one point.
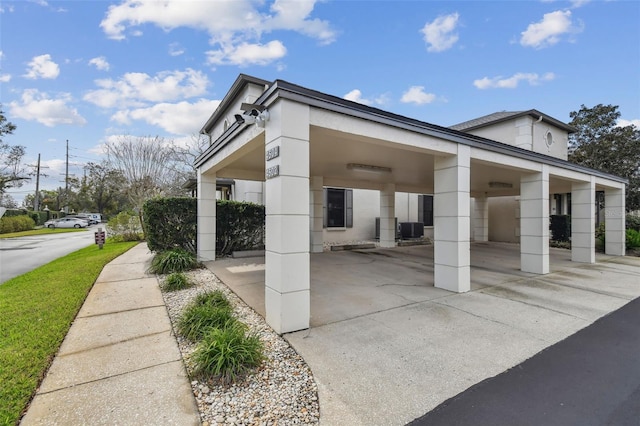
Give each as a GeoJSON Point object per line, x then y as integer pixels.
{"type": "Point", "coordinates": [12, 173]}
{"type": "Point", "coordinates": [150, 166]}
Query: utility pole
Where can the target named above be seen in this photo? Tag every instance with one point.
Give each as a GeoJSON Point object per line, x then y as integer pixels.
{"type": "Point", "coordinates": [66, 182]}
{"type": "Point", "coordinates": [36, 199]}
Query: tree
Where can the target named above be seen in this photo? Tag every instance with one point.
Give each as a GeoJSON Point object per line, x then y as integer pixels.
{"type": "Point", "coordinates": [12, 174]}
{"type": "Point", "coordinates": [601, 144]}
{"type": "Point", "coordinates": [150, 167]}
{"type": "Point", "coordinates": [101, 190]}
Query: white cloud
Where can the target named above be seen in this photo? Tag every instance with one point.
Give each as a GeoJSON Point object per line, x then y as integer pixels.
{"type": "Point", "coordinates": [549, 30]}
{"type": "Point", "coordinates": [5, 78]}
{"type": "Point", "coordinates": [247, 54]}
{"type": "Point", "coordinates": [233, 26]}
{"type": "Point", "coordinates": [578, 3]}
{"type": "Point", "coordinates": [175, 49]}
{"type": "Point", "coordinates": [356, 96]}
{"type": "Point", "coordinates": [417, 95]}
{"type": "Point", "coordinates": [623, 123]}
{"type": "Point", "coordinates": [512, 82]}
{"type": "Point", "coordinates": [181, 118]}
{"type": "Point", "coordinates": [439, 34]}
{"type": "Point", "coordinates": [100, 63]}
{"type": "Point", "coordinates": [42, 67]}
{"type": "Point", "coordinates": [37, 106]}
{"type": "Point", "coordinates": [136, 89]}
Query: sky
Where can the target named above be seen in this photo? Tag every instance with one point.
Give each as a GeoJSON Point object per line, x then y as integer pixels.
{"type": "Point", "coordinates": [89, 72]}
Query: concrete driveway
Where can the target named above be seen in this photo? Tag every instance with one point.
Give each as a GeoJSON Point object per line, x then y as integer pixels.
{"type": "Point", "coordinates": [385, 346]}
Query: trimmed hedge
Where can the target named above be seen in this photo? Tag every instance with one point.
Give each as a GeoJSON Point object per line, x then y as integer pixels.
{"type": "Point", "coordinates": [560, 226]}
{"type": "Point", "coordinates": [171, 223]}
{"type": "Point", "coordinates": [632, 222]}
{"type": "Point", "coordinates": [16, 224]}
{"type": "Point", "coordinates": [239, 226]}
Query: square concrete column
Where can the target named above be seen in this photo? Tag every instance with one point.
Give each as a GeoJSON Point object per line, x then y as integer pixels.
{"type": "Point", "coordinates": [388, 216]}
{"type": "Point", "coordinates": [206, 217]}
{"type": "Point", "coordinates": [316, 211]}
{"type": "Point", "coordinates": [287, 275]}
{"type": "Point", "coordinates": [452, 222]}
{"type": "Point", "coordinates": [534, 222]}
{"type": "Point", "coordinates": [614, 221]}
{"type": "Point", "coordinates": [481, 219]}
{"type": "Point", "coordinates": [583, 221]}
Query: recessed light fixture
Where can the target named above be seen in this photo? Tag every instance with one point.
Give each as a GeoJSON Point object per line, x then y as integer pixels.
{"type": "Point", "coordinates": [368, 168]}
{"type": "Point", "coordinates": [500, 185]}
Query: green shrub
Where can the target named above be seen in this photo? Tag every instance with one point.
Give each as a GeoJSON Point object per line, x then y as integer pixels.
{"type": "Point", "coordinates": [176, 260]}
{"type": "Point", "coordinates": [171, 223]}
{"type": "Point", "coordinates": [560, 226]}
{"type": "Point", "coordinates": [600, 236]}
{"type": "Point", "coordinates": [632, 222]}
{"type": "Point", "coordinates": [176, 281]}
{"type": "Point", "coordinates": [239, 226]}
{"type": "Point", "coordinates": [16, 224]}
{"type": "Point", "coordinates": [197, 320]}
{"type": "Point", "coordinates": [125, 227]}
{"type": "Point", "coordinates": [227, 353]}
{"type": "Point", "coordinates": [214, 298]}
{"type": "Point", "coordinates": [633, 239]}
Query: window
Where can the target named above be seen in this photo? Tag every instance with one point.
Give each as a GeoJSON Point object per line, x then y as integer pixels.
{"type": "Point", "coordinates": [338, 208]}
{"type": "Point", "coordinates": [425, 209]}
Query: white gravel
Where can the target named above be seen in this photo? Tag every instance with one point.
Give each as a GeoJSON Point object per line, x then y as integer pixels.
{"type": "Point", "coordinates": [281, 391]}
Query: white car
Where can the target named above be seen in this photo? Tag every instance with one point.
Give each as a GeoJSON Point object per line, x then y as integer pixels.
{"type": "Point", "coordinates": [66, 222]}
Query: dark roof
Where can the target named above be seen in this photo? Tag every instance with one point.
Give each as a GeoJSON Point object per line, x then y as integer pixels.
{"type": "Point", "coordinates": [237, 87]}
{"type": "Point", "coordinates": [501, 116]}
{"type": "Point", "coordinates": [285, 90]}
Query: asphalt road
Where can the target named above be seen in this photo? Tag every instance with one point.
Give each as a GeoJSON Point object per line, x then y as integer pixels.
{"type": "Point", "coordinates": [590, 378]}
{"type": "Point", "coordinates": [23, 254]}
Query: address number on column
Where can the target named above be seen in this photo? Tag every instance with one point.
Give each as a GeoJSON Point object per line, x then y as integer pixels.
{"type": "Point", "coordinates": [272, 172]}
{"type": "Point", "coordinates": [273, 153]}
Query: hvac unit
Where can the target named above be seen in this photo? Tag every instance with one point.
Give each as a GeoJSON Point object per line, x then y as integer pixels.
{"type": "Point", "coordinates": [411, 229]}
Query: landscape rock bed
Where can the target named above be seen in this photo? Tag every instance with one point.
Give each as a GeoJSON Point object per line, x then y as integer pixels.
{"type": "Point", "coordinates": [281, 391]}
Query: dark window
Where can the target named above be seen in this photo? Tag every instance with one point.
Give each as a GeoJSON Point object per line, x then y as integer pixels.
{"type": "Point", "coordinates": [338, 208]}
{"type": "Point", "coordinates": [425, 209]}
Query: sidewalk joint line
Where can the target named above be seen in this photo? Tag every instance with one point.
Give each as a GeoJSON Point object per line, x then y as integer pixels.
{"type": "Point", "coordinates": [170, 331]}
{"type": "Point", "coordinates": [108, 377]}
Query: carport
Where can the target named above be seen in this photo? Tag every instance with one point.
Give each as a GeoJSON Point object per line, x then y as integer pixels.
{"type": "Point", "coordinates": [299, 140]}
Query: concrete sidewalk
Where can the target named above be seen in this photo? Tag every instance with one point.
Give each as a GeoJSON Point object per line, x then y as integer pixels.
{"type": "Point", "coordinates": [119, 363]}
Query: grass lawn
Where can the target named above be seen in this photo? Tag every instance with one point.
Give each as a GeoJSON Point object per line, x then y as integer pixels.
{"type": "Point", "coordinates": [36, 311]}
{"type": "Point", "coordinates": [40, 231]}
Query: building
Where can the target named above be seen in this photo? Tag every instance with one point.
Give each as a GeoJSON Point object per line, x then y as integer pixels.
{"type": "Point", "coordinates": [308, 154]}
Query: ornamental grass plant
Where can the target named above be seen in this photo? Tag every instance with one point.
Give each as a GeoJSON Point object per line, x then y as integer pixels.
{"type": "Point", "coordinates": [176, 281]}
{"type": "Point", "coordinates": [197, 320]}
{"type": "Point", "coordinates": [227, 353]}
{"type": "Point", "coordinates": [174, 260]}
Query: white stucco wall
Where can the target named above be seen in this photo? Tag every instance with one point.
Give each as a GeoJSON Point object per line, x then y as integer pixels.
{"type": "Point", "coordinates": [248, 190]}
{"type": "Point", "coordinates": [504, 219]}
{"type": "Point", "coordinates": [249, 95]}
{"type": "Point", "coordinates": [527, 133]}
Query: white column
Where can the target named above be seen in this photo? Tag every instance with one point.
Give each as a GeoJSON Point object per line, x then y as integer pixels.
{"type": "Point", "coordinates": [452, 222]}
{"type": "Point", "coordinates": [481, 219]}
{"type": "Point", "coordinates": [206, 216]}
{"type": "Point", "coordinates": [315, 208]}
{"type": "Point", "coordinates": [287, 275]}
{"type": "Point", "coordinates": [534, 222]}
{"type": "Point", "coordinates": [583, 221]}
{"type": "Point", "coordinates": [387, 216]}
{"type": "Point", "coordinates": [614, 218]}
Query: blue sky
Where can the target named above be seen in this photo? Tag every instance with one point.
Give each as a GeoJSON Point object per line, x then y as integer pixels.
{"type": "Point", "coordinates": [90, 71]}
